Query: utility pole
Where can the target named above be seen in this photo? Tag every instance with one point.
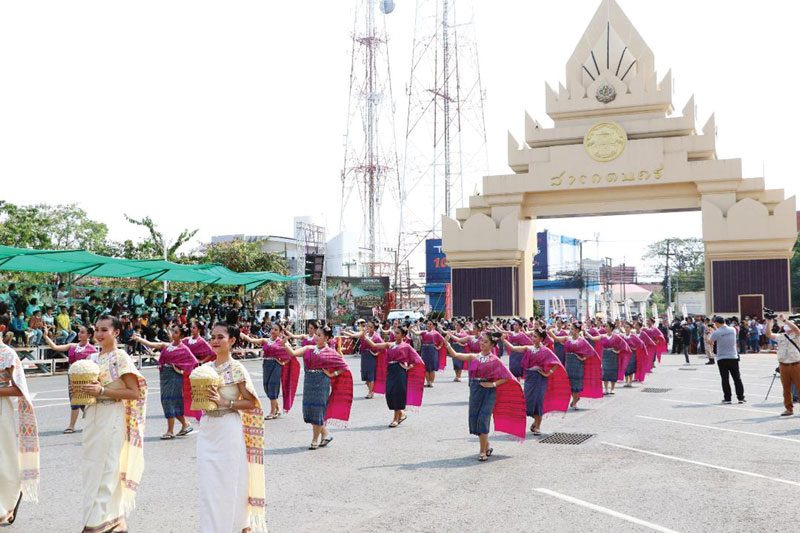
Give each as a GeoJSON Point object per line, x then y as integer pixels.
{"type": "Point", "coordinates": [623, 287]}
{"type": "Point", "coordinates": [580, 276]}
{"type": "Point", "coordinates": [669, 280]}
{"type": "Point", "coordinates": [408, 277]}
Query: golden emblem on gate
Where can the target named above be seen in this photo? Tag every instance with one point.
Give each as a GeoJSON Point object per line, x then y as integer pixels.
{"type": "Point", "coordinates": [605, 141]}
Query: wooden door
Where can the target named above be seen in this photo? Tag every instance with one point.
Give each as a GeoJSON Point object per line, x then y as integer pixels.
{"type": "Point", "coordinates": [481, 309]}
{"type": "Point", "coordinates": [751, 305]}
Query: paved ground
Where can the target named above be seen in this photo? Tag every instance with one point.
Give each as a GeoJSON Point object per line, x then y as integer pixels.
{"type": "Point", "coordinates": [674, 461]}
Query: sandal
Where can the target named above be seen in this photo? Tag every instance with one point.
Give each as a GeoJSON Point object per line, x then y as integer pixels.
{"type": "Point", "coordinates": [16, 509]}
{"type": "Point", "coordinates": [536, 432]}
{"type": "Point", "coordinates": [393, 424]}
{"type": "Point", "coordinates": [270, 417]}
{"type": "Point", "coordinates": [167, 436]}
{"type": "Point", "coordinates": [402, 420]}
{"type": "Point", "coordinates": [185, 431]}
{"type": "Point", "coordinates": [313, 446]}
{"type": "Point", "coordinates": [69, 431]}
{"type": "Point", "coordinates": [489, 452]}
{"type": "Point", "coordinates": [482, 458]}
{"type": "Point", "coordinates": [325, 442]}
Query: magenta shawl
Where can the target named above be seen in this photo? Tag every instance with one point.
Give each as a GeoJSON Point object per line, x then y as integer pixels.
{"type": "Point", "coordinates": [509, 409]}
{"type": "Point", "coordinates": [200, 348]}
{"type": "Point", "coordinates": [78, 352]}
{"type": "Point", "coordinates": [341, 398]}
{"type": "Point", "coordinates": [404, 353]}
{"type": "Point", "coordinates": [592, 367]}
{"type": "Point", "coordinates": [557, 395]}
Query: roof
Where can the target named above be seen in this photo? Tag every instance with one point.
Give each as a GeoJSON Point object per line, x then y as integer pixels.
{"type": "Point", "coordinates": [635, 293]}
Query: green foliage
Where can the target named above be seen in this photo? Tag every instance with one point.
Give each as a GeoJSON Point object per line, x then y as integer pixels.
{"type": "Point", "coordinates": [157, 241]}
{"type": "Point", "coordinates": [57, 227]}
{"type": "Point", "coordinates": [686, 262]}
{"type": "Point", "coordinates": [794, 270]}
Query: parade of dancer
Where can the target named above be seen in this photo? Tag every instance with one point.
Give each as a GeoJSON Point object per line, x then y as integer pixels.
{"type": "Point", "coordinates": [459, 333]}
{"type": "Point", "coordinates": [493, 393]}
{"type": "Point", "coordinates": [19, 435]}
{"type": "Point", "coordinates": [280, 370]}
{"type": "Point", "coordinates": [369, 357]}
{"type": "Point", "coordinates": [400, 374]}
{"type": "Point", "coordinates": [637, 353]}
{"type": "Point", "coordinates": [112, 459]}
{"type": "Point", "coordinates": [431, 343]}
{"type": "Point", "coordinates": [76, 351]}
{"type": "Point", "coordinates": [517, 337]}
{"type": "Point", "coordinates": [546, 382]}
{"type": "Point", "coordinates": [327, 387]}
{"type": "Point", "coordinates": [615, 354]}
{"type": "Point", "coordinates": [661, 343]}
{"type": "Point", "coordinates": [583, 365]}
{"type": "Point", "coordinates": [175, 363]}
{"type": "Point", "coordinates": [649, 357]}
{"type": "Point", "coordinates": [230, 447]}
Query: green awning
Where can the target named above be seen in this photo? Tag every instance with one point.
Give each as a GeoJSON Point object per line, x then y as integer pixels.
{"type": "Point", "coordinates": [83, 263]}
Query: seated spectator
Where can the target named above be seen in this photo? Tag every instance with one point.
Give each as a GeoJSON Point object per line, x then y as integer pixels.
{"type": "Point", "coordinates": [20, 328]}
{"type": "Point", "coordinates": [63, 326]}
{"type": "Point", "coordinates": [35, 328]}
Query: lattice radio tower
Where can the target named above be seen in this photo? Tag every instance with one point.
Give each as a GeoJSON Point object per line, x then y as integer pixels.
{"type": "Point", "coordinates": [370, 159]}
{"type": "Point", "coordinates": [445, 143]}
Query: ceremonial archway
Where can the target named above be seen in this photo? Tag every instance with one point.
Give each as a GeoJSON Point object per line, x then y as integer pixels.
{"type": "Point", "coordinates": [615, 149]}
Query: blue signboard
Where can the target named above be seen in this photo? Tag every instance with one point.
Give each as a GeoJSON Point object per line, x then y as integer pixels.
{"type": "Point", "coordinates": [540, 259]}
{"type": "Point", "coordinates": [437, 269]}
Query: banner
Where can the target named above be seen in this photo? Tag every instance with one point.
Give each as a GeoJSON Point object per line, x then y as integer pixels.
{"type": "Point", "coordinates": [351, 298]}
{"type": "Point", "coordinates": [437, 269]}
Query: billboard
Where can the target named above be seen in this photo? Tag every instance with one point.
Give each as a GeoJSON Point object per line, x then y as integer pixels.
{"type": "Point", "coordinates": [348, 299]}
{"type": "Point", "coordinates": [540, 259]}
{"type": "Point", "coordinates": [437, 269]}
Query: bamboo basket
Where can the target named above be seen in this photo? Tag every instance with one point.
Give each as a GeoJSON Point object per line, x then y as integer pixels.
{"type": "Point", "coordinates": [200, 390]}
{"type": "Point", "coordinates": [78, 397]}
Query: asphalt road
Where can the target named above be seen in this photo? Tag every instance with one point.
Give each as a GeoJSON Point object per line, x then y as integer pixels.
{"type": "Point", "coordinates": [671, 461]}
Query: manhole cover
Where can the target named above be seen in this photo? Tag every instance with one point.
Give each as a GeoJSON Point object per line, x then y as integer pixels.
{"type": "Point", "coordinates": [655, 389]}
{"type": "Point", "coordinates": [688, 369]}
{"type": "Point", "coordinates": [566, 438]}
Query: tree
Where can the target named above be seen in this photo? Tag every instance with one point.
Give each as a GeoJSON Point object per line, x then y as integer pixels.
{"type": "Point", "coordinates": [241, 256]}
{"type": "Point", "coordinates": [58, 227]}
{"type": "Point", "coordinates": [794, 271]}
{"type": "Point", "coordinates": [686, 262]}
{"type": "Point", "coordinates": [157, 241]}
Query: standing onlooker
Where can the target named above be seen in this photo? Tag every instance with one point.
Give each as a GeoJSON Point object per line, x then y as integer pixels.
{"type": "Point", "coordinates": [709, 344]}
{"type": "Point", "coordinates": [727, 359]}
{"type": "Point", "coordinates": [788, 339]}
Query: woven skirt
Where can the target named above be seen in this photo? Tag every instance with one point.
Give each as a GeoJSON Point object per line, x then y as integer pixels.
{"type": "Point", "coordinates": [396, 387]}
{"type": "Point", "coordinates": [610, 365]}
{"type": "Point", "coordinates": [481, 405]}
{"type": "Point", "coordinates": [171, 392]}
{"type": "Point", "coordinates": [575, 372]}
{"type": "Point", "coordinates": [515, 363]}
{"type": "Point", "coordinates": [431, 357]}
{"type": "Point", "coordinates": [631, 368]}
{"type": "Point", "coordinates": [558, 349]}
{"type": "Point", "coordinates": [316, 391]}
{"type": "Point", "coordinates": [369, 364]}
{"type": "Point", "coordinates": [458, 365]}
{"type": "Point", "coordinates": [272, 378]}
{"type": "Point", "coordinates": [535, 387]}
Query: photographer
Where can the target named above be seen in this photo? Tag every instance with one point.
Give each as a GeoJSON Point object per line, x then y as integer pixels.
{"type": "Point", "coordinates": [787, 335]}
{"type": "Point", "coordinates": [727, 359]}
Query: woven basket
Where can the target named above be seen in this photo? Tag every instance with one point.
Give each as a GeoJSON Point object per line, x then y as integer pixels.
{"type": "Point", "coordinates": [78, 397]}
{"type": "Point", "coordinates": [200, 390]}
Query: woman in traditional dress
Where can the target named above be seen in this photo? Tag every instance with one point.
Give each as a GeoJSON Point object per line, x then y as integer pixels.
{"type": "Point", "coordinates": [493, 391]}
{"type": "Point", "coordinates": [583, 365]}
{"type": "Point", "coordinates": [546, 381]}
{"type": "Point", "coordinates": [558, 348]}
{"type": "Point", "coordinates": [273, 366]}
{"type": "Point", "coordinates": [657, 337]}
{"type": "Point", "coordinates": [230, 447]}
{"type": "Point", "coordinates": [400, 374]}
{"type": "Point", "coordinates": [369, 356]}
{"type": "Point", "coordinates": [19, 438]}
{"type": "Point", "coordinates": [76, 351]}
{"type": "Point", "coordinates": [310, 339]}
{"type": "Point", "coordinates": [112, 458]}
{"type": "Point", "coordinates": [516, 337]}
{"type": "Point", "coordinates": [459, 333]}
{"type": "Point", "coordinates": [327, 388]}
{"type": "Point", "coordinates": [615, 354]}
{"type": "Point", "coordinates": [637, 352]}
{"type": "Point", "coordinates": [649, 356]}
{"type": "Point", "coordinates": [431, 343]}
{"type": "Point", "coordinates": [175, 363]}
{"type": "Point", "coordinates": [197, 343]}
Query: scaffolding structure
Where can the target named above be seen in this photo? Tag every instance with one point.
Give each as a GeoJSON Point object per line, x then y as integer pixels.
{"type": "Point", "coordinates": [310, 300]}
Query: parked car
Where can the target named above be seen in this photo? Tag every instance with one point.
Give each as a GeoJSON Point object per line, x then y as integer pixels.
{"type": "Point", "coordinates": [401, 314]}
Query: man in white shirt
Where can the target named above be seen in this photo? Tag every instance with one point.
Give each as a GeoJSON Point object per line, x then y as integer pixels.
{"type": "Point", "coordinates": [788, 339]}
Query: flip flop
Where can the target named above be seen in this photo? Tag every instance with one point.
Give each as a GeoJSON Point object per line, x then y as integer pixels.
{"type": "Point", "coordinates": [184, 432]}
{"type": "Point", "coordinates": [69, 431]}
{"type": "Point", "coordinates": [402, 420]}
{"type": "Point", "coordinates": [313, 446]}
{"type": "Point", "coordinates": [270, 417]}
{"type": "Point", "coordinates": [325, 442]}
{"type": "Point", "coordinates": [483, 458]}
{"type": "Point", "coordinates": [167, 436]}
{"type": "Point", "coordinates": [489, 452]}
{"type": "Point", "coordinates": [537, 433]}
{"type": "Point", "coordinates": [393, 424]}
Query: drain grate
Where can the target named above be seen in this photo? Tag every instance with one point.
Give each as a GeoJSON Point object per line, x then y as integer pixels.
{"type": "Point", "coordinates": [655, 389]}
{"type": "Point", "coordinates": [688, 369]}
{"type": "Point", "coordinates": [567, 438]}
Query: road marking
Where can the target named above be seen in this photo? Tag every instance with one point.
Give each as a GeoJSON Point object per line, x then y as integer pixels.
{"type": "Point", "coordinates": [718, 429]}
{"type": "Point", "coordinates": [606, 510]}
{"type": "Point", "coordinates": [49, 399]}
{"type": "Point", "coordinates": [707, 465]}
{"type": "Point", "coordinates": [736, 407]}
{"type": "Point", "coordinates": [36, 407]}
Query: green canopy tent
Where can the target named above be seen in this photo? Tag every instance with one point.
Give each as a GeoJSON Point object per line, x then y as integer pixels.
{"type": "Point", "coordinates": [82, 263]}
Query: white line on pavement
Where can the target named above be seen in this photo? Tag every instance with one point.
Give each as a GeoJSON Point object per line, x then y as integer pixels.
{"type": "Point", "coordinates": [718, 429]}
{"type": "Point", "coordinates": [49, 405]}
{"type": "Point", "coordinates": [736, 407]}
{"type": "Point", "coordinates": [607, 511]}
{"type": "Point", "coordinates": [707, 465]}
